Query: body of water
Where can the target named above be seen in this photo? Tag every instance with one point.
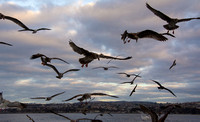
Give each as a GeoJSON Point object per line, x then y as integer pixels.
{"type": "Point", "coordinates": [50, 117]}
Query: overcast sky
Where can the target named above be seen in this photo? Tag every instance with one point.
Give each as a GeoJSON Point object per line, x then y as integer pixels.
{"type": "Point", "coordinates": [97, 25]}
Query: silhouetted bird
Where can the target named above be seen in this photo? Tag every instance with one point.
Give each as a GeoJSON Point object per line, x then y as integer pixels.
{"type": "Point", "coordinates": [88, 96]}
{"type": "Point", "coordinates": [48, 98]}
{"type": "Point", "coordinates": [173, 64]}
{"type": "Point", "coordinates": [128, 75]}
{"type": "Point", "coordinates": [45, 59]}
{"type": "Point", "coordinates": [154, 116]}
{"type": "Point", "coordinates": [60, 75]}
{"type": "Point", "coordinates": [133, 90]}
{"type": "Point", "coordinates": [171, 21]}
{"type": "Point", "coordinates": [6, 43]}
{"type": "Point", "coordinates": [90, 56]}
{"type": "Point", "coordinates": [162, 87]}
{"type": "Point", "coordinates": [144, 34]}
{"type": "Point", "coordinates": [131, 82]}
{"type": "Point", "coordinates": [105, 68]}
{"type": "Point", "coordinates": [16, 21]}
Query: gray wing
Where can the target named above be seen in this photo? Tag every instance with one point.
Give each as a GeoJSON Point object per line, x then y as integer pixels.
{"type": "Point", "coordinates": [103, 94]}
{"type": "Point", "coordinates": [6, 43]}
{"type": "Point", "coordinates": [112, 67]}
{"type": "Point", "coordinates": [151, 34]}
{"type": "Point", "coordinates": [57, 94]}
{"type": "Point", "coordinates": [73, 97]}
{"type": "Point", "coordinates": [187, 19]}
{"type": "Point", "coordinates": [133, 90]}
{"type": "Point", "coordinates": [122, 73]}
{"type": "Point", "coordinates": [53, 67]}
{"type": "Point", "coordinates": [158, 13]}
{"type": "Point", "coordinates": [38, 55]}
{"type": "Point", "coordinates": [78, 49]}
{"type": "Point", "coordinates": [30, 118]}
{"type": "Point", "coordinates": [38, 98]}
{"type": "Point", "coordinates": [17, 22]}
{"type": "Point", "coordinates": [170, 91]}
{"type": "Point", "coordinates": [154, 116]}
{"type": "Point", "coordinates": [70, 70]}
{"type": "Point", "coordinates": [115, 58]}
{"type": "Point", "coordinates": [60, 59]}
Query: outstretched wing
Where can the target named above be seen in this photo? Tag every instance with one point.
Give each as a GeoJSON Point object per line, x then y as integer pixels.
{"type": "Point", "coordinates": [70, 70]}
{"type": "Point", "coordinates": [6, 43]}
{"type": "Point", "coordinates": [187, 19]}
{"type": "Point", "coordinates": [103, 94]}
{"type": "Point", "coordinates": [60, 59]}
{"type": "Point", "coordinates": [30, 118]}
{"type": "Point", "coordinates": [151, 34]}
{"type": "Point", "coordinates": [97, 67]}
{"type": "Point", "coordinates": [38, 98]}
{"type": "Point", "coordinates": [170, 91]}
{"type": "Point", "coordinates": [133, 90]}
{"type": "Point", "coordinates": [78, 49]}
{"type": "Point", "coordinates": [73, 97]}
{"type": "Point", "coordinates": [173, 64]}
{"type": "Point", "coordinates": [115, 58]}
{"type": "Point", "coordinates": [158, 13]}
{"type": "Point", "coordinates": [38, 55]}
{"type": "Point", "coordinates": [126, 82]}
{"type": "Point", "coordinates": [154, 116]}
{"type": "Point", "coordinates": [43, 29]}
{"type": "Point", "coordinates": [16, 21]}
{"type": "Point", "coordinates": [157, 82]}
{"type": "Point", "coordinates": [57, 94]}
{"type": "Point", "coordinates": [53, 67]}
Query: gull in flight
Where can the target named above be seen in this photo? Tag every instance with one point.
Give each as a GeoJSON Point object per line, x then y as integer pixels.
{"type": "Point", "coordinates": [162, 87]}
{"type": "Point", "coordinates": [88, 96]}
{"type": "Point", "coordinates": [171, 22]}
{"type": "Point", "coordinates": [133, 90]}
{"type": "Point", "coordinates": [129, 75]}
{"type": "Point", "coordinates": [154, 116]}
{"type": "Point", "coordinates": [48, 98]}
{"type": "Point", "coordinates": [90, 56]}
{"type": "Point", "coordinates": [30, 118]}
{"type": "Point", "coordinates": [45, 59]}
{"type": "Point", "coordinates": [60, 75]}
{"type": "Point", "coordinates": [131, 82]}
{"type": "Point", "coordinates": [16, 21]}
{"type": "Point", "coordinates": [144, 34]}
{"type": "Point", "coordinates": [105, 68]}
{"type": "Point", "coordinates": [173, 64]}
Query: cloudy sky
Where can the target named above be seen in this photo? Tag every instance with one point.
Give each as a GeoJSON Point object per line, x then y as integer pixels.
{"type": "Point", "coordinates": [97, 25]}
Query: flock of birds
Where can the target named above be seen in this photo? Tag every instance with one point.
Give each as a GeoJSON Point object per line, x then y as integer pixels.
{"type": "Point", "coordinates": [90, 56]}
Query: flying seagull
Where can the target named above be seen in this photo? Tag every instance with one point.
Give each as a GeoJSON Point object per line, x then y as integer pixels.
{"type": "Point", "coordinates": [30, 118]}
{"type": "Point", "coordinates": [18, 22]}
{"type": "Point", "coordinates": [133, 90]}
{"type": "Point", "coordinates": [128, 75]}
{"type": "Point", "coordinates": [131, 82]}
{"type": "Point", "coordinates": [173, 64]}
{"type": "Point", "coordinates": [162, 87]}
{"type": "Point", "coordinates": [48, 98]}
{"type": "Point", "coordinates": [88, 96]}
{"type": "Point", "coordinates": [60, 75]}
{"type": "Point", "coordinates": [154, 116]}
{"type": "Point", "coordinates": [6, 43]}
{"type": "Point", "coordinates": [90, 56]}
{"type": "Point", "coordinates": [45, 59]}
{"type": "Point", "coordinates": [144, 34]}
{"type": "Point", "coordinates": [171, 21]}
{"type": "Point", "coordinates": [105, 68]}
